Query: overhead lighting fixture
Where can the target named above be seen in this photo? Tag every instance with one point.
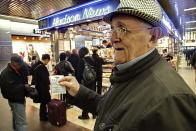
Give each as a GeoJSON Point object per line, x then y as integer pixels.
{"type": "Point", "coordinates": [191, 28]}
{"type": "Point", "coordinates": [190, 21]}
{"type": "Point", "coordinates": [194, 8]}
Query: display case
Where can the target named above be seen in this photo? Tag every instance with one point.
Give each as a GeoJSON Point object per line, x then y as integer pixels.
{"type": "Point", "coordinates": [107, 70]}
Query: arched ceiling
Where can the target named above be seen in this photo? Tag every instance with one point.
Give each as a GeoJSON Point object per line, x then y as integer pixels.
{"type": "Point", "coordinates": [34, 9]}
{"type": "Point", "coordinates": [182, 13]}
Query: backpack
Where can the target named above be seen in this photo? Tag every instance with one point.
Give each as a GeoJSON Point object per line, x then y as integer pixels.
{"type": "Point", "coordinates": [89, 73]}
{"type": "Point", "coordinates": [64, 68]}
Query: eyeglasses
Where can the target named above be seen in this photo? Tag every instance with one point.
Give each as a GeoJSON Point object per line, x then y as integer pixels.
{"type": "Point", "coordinates": [122, 31]}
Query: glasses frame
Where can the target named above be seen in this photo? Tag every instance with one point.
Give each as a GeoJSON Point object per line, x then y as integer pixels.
{"type": "Point", "coordinates": [122, 31]}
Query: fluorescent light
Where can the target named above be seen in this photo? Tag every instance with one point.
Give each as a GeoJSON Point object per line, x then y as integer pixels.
{"type": "Point", "coordinates": [191, 28]}
{"type": "Point", "coordinates": [190, 21]}
{"type": "Point", "coordinates": [194, 8]}
{"type": "Point", "coordinates": [87, 4]}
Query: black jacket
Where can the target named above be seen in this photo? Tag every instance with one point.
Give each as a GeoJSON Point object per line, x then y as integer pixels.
{"type": "Point", "coordinates": [98, 66]}
{"type": "Point", "coordinates": [74, 59]}
{"type": "Point", "coordinates": [12, 85]}
{"type": "Point", "coordinates": [147, 96]}
{"type": "Point", "coordinates": [80, 70]}
{"type": "Point", "coordinates": [64, 68]}
{"type": "Point", "coordinates": [193, 60]}
{"type": "Point", "coordinates": [42, 82]}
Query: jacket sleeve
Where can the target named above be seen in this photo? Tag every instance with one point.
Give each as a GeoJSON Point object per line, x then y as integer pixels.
{"type": "Point", "coordinates": [70, 68]}
{"type": "Point", "coordinates": [43, 75]}
{"type": "Point", "coordinates": [193, 60]}
{"type": "Point", "coordinates": [80, 69]}
{"type": "Point", "coordinates": [87, 99]}
{"type": "Point", "coordinates": [177, 113]}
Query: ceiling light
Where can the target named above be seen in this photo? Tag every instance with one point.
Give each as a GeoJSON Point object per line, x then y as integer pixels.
{"type": "Point", "coordinates": [190, 21]}
{"type": "Point", "coordinates": [194, 8]}
{"type": "Point", "coordinates": [191, 28]}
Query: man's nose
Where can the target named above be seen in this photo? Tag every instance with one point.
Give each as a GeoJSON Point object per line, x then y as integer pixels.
{"type": "Point", "coordinates": [114, 37]}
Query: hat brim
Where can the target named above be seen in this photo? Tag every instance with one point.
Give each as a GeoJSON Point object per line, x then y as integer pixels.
{"type": "Point", "coordinates": [108, 18]}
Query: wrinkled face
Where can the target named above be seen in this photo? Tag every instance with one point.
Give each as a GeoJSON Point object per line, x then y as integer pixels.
{"type": "Point", "coordinates": [130, 38]}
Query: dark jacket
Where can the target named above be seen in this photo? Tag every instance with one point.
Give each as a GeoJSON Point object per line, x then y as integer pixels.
{"type": "Point", "coordinates": [12, 85]}
{"type": "Point", "coordinates": [98, 66]}
{"type": "Point", "coordinates": [193, 60]}
{"type": "Point", "coordinates": [42, 82]}
{"type": "Point", "coordinates": [64, 68]}
{"type": "Point", "coordinates": [25, 71]}
{"type": "Point", "coordinates": [80, 70]}
{"type": "Point", "coordinates": [148, 96]}
{"type": "Point", "coordinates": [74, 59]}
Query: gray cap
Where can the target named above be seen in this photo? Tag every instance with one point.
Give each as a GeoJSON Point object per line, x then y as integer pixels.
{"type": "Point", "coordinates": [17, 59]}
{"type": "Point", "coordinates": [147, 10]}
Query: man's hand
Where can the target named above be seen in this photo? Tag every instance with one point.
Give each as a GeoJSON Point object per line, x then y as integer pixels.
{"type": "Point", "coordinates": [71, 84]}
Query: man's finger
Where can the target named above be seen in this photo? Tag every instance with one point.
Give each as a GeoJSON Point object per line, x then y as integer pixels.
{"type": "Point", "coordinates": [65, 83]}
{"type": "Point", "coordinates": [66, 78]}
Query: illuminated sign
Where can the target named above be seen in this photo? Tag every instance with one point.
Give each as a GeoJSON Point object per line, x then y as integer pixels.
{"type": "Point", "coordinates": [86, 11]}
{"type": "Point", "coordinates": [167, 23]}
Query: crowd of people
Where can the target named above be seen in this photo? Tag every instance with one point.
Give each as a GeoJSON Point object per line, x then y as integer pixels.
{"type": "Point", "coordinates": [15, 87]}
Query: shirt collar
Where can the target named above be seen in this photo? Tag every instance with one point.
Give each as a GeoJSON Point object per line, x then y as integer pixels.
{"type": "Point", "coordinates": [132, 62]}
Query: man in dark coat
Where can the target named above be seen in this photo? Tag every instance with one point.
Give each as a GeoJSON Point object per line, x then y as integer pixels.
{"type": "Point", "coordinates": [42, 84]}
{"type": "Point", "coordinates": [99, 70]}
{"type": "Point", "coordinates": [83, 53]}
{"type": "Point", "coordinates": [65, 68]}
{"type": "Point", "coordinates": [74, 59]}
{"type": "Point", "coordinates": [13, 87]}
{"type": "Point", "coordinates": [146, 94]}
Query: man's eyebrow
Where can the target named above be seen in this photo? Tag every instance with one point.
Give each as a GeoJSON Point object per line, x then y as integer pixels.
{"type": "Point", "coordinates": [121, 23]}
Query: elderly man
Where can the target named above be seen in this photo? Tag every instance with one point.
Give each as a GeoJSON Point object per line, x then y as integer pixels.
{"type": "Point", "coordinates": [146, 93]}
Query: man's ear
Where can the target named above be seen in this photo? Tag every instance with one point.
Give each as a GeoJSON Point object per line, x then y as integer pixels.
{"type": "Point", "coordinates": [155, 33]}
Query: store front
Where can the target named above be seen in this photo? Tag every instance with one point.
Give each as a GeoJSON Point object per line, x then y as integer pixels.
{"type": "Point", "coordinates": [78, 26]}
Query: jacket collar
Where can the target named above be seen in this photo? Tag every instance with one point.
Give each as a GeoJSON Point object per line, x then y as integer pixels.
{"type": "Point", "coordinates": [13, 69]}
{"type": "Point", "coordinates": [133, 70]}
{"type": "Point", "coordinates": [132, 62]}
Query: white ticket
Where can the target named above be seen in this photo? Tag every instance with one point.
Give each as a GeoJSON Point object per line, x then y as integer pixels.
{"type": "Point", "coordinates": [56, 88]}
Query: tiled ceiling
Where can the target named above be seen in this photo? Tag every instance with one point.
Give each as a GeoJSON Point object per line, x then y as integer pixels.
{"type": "Point", "coordinates": [34, 9]}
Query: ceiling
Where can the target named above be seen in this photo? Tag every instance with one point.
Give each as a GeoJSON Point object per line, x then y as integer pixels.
{"type": "Point", "coordinates": [34, 9]}
{"type": "Point", "coordinates": [183, 19]}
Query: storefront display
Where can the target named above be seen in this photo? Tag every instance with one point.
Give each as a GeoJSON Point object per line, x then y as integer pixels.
{"type": "Point", "coordinates": [27, 46]}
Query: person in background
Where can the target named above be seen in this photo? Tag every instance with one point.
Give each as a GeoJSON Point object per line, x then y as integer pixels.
{"type": "Point", "coordinates": [193, 62]}
{"type": "Point", "coordinates": [65, 68]}
{"type": "Point", "coordinates": [42, 84]}
{"type": "Point", "coordinates": [74, 59]}
{"type": "Point", "coordinates": [166, 55]}
{"type": "Point", "coordinates": [106, 44]}
{"type": "Point", "coordinates": [99, 70]}
{"type": "Point", "coordinates": [13, 87]}
{"type": "Point", "coordinates": [68, 53]}
{"type": "Point", "coordinates": [83, 53]}
{"type": "Point", "coordinates": [35, 59]}
{"type": "Point", "coordinates": [146, 94]}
